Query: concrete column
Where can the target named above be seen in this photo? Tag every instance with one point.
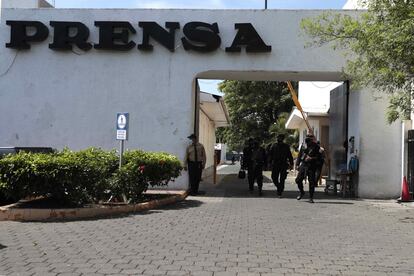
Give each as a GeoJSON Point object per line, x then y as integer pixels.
{"type": "Point", "coordinates": [405, 126]}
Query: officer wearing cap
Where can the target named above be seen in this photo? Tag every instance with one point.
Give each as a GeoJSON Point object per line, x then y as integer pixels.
{"type": "Point", "coordinates": [195, 162]}
{"type": "Point", "coordinates": [308, 167]}
{"type": "Point", "coordinates": [280, 159]}
{"type": "Point", "coordinates": [254, 157]}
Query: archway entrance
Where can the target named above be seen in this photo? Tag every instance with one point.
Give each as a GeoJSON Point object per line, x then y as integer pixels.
{"type": "Point", "coordinates": [326, 108]}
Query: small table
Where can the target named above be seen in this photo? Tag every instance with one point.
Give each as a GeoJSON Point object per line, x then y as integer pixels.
{"type": "Point", "coordinates": [345, 180]}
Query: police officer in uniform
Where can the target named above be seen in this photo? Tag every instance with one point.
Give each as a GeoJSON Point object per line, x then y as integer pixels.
{"type": "Point", "coordinates": [309, 159]}
{"type": "Point", "coordinates": [256, 165]}
{"type": "Point", "coordinates": [247, 160]}
{"type": "Point", "coordinates": [280, 159]}
{"type": "Point", "coordinates": [195, 162]}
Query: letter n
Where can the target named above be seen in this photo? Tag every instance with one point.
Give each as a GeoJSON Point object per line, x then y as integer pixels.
{"type": "Point", "coordinates": [164, 37]}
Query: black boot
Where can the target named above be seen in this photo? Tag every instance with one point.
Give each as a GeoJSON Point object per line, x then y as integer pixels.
{"type": "Point", "coordinates": [299, 197]}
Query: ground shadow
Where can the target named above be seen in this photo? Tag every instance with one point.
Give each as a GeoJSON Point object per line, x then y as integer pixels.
{"type": "Point", "coordinates": [185, 204]}
{"type": "Point", "coordinates": [2, 246]}
{"type": "Point", "coordinates": [335, 202]}
{"type": "Point", "coordinates": [232, 186]}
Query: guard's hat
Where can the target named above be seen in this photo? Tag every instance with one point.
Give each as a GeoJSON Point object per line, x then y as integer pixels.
{"type": "Point", "coordinates": [192, 136]}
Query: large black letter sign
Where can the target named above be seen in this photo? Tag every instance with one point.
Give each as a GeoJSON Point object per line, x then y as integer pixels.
{"type": "Point", "coordinates": [248, 36]}
{"type": "Point", "coordinates": [108, 37]}
{"type": "Point", "coordinates": [152, 29]}
{"type": "Point", "coordinates": [201, 37]}
{"type": "Point", "coordinates": [62, 40]}
{"type": "Point", "coordinates": [18, 36]}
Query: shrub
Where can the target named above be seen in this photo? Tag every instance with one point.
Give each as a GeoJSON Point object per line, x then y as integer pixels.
{"type": "Point", "coordinates": [84, 176]}
{"type": "Point", "coordinates": [94, 170]}
{"type": "Point", "coordinates": [70, 177]}
{"type": "Point", "coordinates": [141, 169]}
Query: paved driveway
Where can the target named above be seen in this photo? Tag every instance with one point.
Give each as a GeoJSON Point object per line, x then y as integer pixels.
{"type": "Point", "coordinates": [225, 232]}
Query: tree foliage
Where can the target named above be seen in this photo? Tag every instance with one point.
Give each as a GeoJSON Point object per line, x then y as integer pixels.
{"type": "Point", "coordinates": [380, 46]}
{"type": "Point", "coordinates": [257, 110]}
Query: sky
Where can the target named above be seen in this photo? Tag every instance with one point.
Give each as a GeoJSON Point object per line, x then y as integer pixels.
{"type": "Point", "coordinates": [203, 4]}
{"type": "Point", "coordinates": [205, 85]}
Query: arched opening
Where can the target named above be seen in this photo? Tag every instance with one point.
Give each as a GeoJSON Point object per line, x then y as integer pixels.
{"type": "Point", "coordinates": [325, 100]}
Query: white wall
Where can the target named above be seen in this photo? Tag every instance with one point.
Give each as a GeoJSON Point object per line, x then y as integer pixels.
{"type": "Point", "coordinates": [207, 137]}
{"type": "Point", "coordinates": [379, 147]}
{"type": "Point", "coordinates": [50, 98]}
{"type": "Point", "coordinates": [353, 4]}
{"type": "Point", "coordinates": [315, 96]}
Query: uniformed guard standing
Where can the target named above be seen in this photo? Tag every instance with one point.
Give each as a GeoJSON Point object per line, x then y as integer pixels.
{"type": "Point", "coordinates": [195, 162]}
{"type": "Point", "coordinates": [307, 167]}
{"type": "Point", "coordinates": [280, 159]}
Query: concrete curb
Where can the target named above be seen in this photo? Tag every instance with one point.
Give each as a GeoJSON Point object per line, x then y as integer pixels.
{"type": "Point", "coordinates": [7, 213]}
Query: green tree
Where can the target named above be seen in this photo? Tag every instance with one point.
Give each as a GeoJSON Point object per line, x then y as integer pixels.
{"type": "Point", "coordinates": [380, 46]}
{"type": "Point", "coordinates": [257, 110]}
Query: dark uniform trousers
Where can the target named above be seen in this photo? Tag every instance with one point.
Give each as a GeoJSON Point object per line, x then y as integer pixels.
{"type": "Point", "coordinates": [255, 172]}
{"type": "Point", "coordinates": [310, 173]}
{"type": "Point", "coordinates": [279, 174]}
{"type": "Point", "coordinates": [195, 170]}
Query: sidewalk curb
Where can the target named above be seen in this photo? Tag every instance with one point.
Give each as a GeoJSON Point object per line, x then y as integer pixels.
{"type": "Point", "coordinates": [9, 214]}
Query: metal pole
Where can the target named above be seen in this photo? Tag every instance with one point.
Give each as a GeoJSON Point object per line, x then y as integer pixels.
{"type": "Point", "coordinates": [265, 4]}
{"type": "Point", "coordinates": [215, 168]}
{"type": "Point", "coordinates": [121, 152]}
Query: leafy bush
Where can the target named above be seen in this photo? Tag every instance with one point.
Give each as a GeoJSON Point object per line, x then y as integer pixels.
{"type": "Point", "coordinates": [71, 177]}
{"type": "Point", "coordinates": [94, 169]}
{"type": "Point", "coordinates": [84, 176]}
{"type": "Point", "coordinates": [142, 169]}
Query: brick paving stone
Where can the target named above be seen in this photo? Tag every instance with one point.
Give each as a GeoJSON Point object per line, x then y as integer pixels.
{"type": "Point", "coordinates": [178, 273]}
{"type": "Point", "coordinates": [132, 271]}
{"type": "Point", "coordinates": [86, 270]}
{"type": "Point", "coordinates": [155, 272]}
{"type": "Point", "coordinates": [225, 273]}
{"type": "Point", "coordinates": [225, 232]}
{"type": "Point", "coordinates": [214, 268]}
{"type": "Point", "coordinates": [237, 269]}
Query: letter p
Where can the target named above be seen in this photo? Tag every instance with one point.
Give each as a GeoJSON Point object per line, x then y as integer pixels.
{"type": "Point", "coordinates": [19, 36]}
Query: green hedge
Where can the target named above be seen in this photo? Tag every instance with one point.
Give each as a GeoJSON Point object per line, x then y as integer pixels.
{"type": "Point", "coordinates": [85, 176]}
{"type": "Point", "coordinates": [142, 169]}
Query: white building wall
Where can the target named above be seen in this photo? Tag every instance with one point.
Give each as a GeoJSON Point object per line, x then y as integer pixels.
{"type": "Point", "coordinates": [353, 4]}
{"type": "Point", "coordinates": [207, 138]}
{"type": "Point", "coordinates": [379, 149]}
{"type": "Point", "coordinates": [58, 99]}
{"type": "Point", "coordinates": [315, 96]}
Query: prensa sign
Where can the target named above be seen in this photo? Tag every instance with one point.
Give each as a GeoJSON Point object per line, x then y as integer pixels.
{"type": "Point", "coordinates": [114, 35]}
